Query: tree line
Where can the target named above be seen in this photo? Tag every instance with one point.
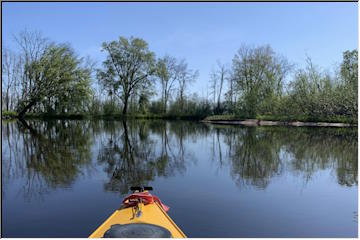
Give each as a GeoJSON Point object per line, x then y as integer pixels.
{"type": "Point", "coordinates": [50, 78]}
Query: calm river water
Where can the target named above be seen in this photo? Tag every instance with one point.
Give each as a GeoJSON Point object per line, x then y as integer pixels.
{"type": "Point", "coordinates": [64, 178]}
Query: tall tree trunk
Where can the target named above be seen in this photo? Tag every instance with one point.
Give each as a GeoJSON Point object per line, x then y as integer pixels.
{"type": "Point", "coordinates": [165, 104]}
{"type": "Point", "coordinates": [7, 100]}
{"type": "Point", "coordinates": [219, 94]}
{"type": "Point", "coordinates": [125, 105]}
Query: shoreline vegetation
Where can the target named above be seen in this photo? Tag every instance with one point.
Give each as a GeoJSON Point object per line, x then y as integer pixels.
{"type": "Point", "coordinates": [114, 116]}
{"type": "Point", "coordinates": [42, 79]}
{"type": "Point", "coordinates": [214, 119]}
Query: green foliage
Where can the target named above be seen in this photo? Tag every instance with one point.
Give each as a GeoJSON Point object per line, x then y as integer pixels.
{"type": "Point", "coordinates": [95, 106]}
{"type": "Point", "coordinates": [194, 107]}
{"type": "Point", "coordinates": [54, 82]}
{"type": "Point", "coordinates": [221, 118]}
{"type": "Point", "coordinates": [349, 69]}
{"type": "Point", "coordinates": [316, 95]}
{"type": "Point", "coordinates": [312, 95]}
{"type": "Point", "coordinates": [59, 82]}
{"type": "Point", "coordinates": [109, 107]}
{"type": "Point", "coordinates": [156, 107]}
{"type": "Point", "coordinates": [143, 102]}
{"type": "Point", "coordinates": [259, 75]}
{"type": "Point", "coordinates": [8, 114]}
{"type": "Point", "coordinates": [128, 67]}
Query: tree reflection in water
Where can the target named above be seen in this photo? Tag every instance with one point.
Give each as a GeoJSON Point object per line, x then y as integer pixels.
{"type": "Point", "coordinates": [133, 156]}
{"type": "Point", "coordinates": [50, 154]}
{"type": "Point", "coordinates": [254, 157]}
{"type": "Point", "coordinates": [257, 154]}
{"type": "Point", "coordinates": [317, 149]}
{"type": "Point", "coordinates": [128, 156]}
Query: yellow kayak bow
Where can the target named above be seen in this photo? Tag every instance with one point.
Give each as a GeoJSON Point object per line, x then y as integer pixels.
{"type": "Point", "coordinates": [141, 215]}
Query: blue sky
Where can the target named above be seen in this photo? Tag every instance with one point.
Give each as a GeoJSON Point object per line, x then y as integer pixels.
{"type": "Point", "coordinates": [200, 32]}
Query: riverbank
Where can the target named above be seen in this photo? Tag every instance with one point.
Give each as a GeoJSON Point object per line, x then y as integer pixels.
{"type": "Point", "coordinates": [80, 116]}
{"type": "Point", "coordinates": [262, 121]}
{"type": "Point", "coordinates": [215, 119]}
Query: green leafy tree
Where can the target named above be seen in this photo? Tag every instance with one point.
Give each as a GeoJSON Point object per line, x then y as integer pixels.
{"type": "Point", "coordinates": [349, 68]}
{"type": "Point", "coordinates": [259, 74]}
{"type": "Point", "coordinates": [129, 64]}
{"type": "Point", "coordinates": [57, 78]}
{"type": "Point", "coordinates": [349, 89]}
{"type": "Point", "coordinates": [317, 95]}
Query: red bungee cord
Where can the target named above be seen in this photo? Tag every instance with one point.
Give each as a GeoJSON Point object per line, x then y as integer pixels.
{"type": "Point", "coordinates": [145, 197]}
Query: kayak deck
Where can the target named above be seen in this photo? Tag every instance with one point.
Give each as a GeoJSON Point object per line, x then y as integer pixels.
{"type": "Point", "coordinates": [151, 214]}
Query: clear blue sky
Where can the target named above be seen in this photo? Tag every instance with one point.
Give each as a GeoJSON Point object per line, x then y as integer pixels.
{"type": "Point", "coordinates": [199, 32]}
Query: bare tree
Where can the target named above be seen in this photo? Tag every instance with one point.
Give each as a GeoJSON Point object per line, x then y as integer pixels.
{"type": "Point", "coordinates": [12, 71]}
{"type": "Point", "coordinates": [218, 77]}
{"type": "Point", "coordinates": [32, 45]}
{"type": "Point", "coordinates": [186, 77]}
{"type": "Point", "coordinates": [8, 62]}
{"type": "Point", "coordinates": [168, 73]}
{"type": "Point", "coordinates": [213, 86]}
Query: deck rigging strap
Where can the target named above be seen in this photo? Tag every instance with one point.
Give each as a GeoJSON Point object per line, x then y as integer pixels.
{"type": "Point", "coordinates": [147, 198]}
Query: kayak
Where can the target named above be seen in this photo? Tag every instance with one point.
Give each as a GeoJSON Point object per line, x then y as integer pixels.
{"type": "Point", "coordinates": [141, 215]}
